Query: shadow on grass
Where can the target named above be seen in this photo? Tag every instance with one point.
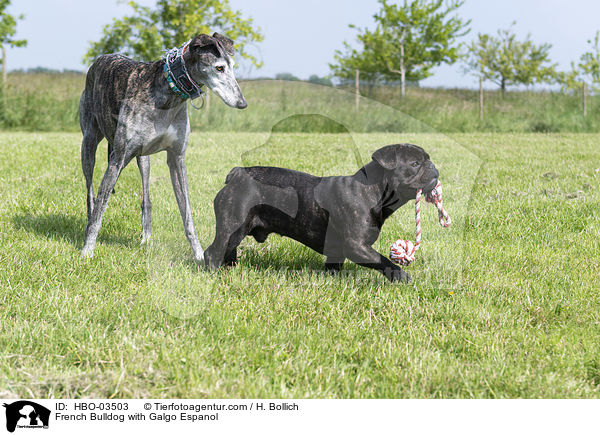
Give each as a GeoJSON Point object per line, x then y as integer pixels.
{"type": "Point", "coordinates": [290, 260]}
{"type": "Point", "coordinates": [293, 263]}
{"type": "Point", "coordinates": [65, 228]}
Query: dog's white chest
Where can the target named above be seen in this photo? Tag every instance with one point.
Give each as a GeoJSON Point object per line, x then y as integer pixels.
{"type": "Point", "coordinates": [161, 141]}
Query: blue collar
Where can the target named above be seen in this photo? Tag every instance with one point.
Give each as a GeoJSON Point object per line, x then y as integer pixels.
{"type": "Point", "coordinates": [180, 82]}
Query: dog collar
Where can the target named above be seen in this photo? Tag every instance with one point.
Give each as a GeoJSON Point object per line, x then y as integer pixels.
{"type": "Point", "coordinates": [180, 82]}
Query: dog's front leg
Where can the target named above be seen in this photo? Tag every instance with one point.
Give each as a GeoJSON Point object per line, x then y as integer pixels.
{"type": "Point", "coordinates": [143, 163]}
{"type": "Point", "coordinates": [366, 256]}
{"type": "Point", "coordinates": [180, 187]}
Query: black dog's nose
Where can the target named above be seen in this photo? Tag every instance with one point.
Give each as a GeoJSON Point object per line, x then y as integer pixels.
{"type": "Point", "coordinates": [433, 169]}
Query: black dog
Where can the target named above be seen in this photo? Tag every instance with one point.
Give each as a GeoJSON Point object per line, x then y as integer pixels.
{"type": "Point", "coordinates": [339, 217]}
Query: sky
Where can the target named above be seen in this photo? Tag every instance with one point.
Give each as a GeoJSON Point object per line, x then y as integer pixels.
{"type": "Point", "coordinates": [301, 36]}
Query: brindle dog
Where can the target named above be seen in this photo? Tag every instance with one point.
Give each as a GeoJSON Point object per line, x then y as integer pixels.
{"type": "Point", "coordinates": [131, 104]}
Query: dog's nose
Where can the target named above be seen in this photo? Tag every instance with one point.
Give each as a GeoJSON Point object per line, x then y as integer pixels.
{"type": "Point", "coordinates": [433, 169]}
{"type": "Point", "coordinates": [241, 104]}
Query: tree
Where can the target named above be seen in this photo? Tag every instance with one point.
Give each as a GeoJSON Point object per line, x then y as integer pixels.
{"type": "Point", "coordinates": [408, 41]}
{"type": "Point", "coordinates": [8, 28]}
{"type": "Point", "coordinates": [587, 70]}
{"type": "Point", "coordinates": [286, 76]}
{"type": "Point", "coordinates": [325, 81]}
{"type": "Point", "coordinates": [147, 33]}
{"type": "Point", "coordinates": [506, 61]}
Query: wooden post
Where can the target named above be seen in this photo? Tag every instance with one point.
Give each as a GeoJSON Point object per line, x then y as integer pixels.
{"type": "Point", "coordinates": [3, 66]}
{"type": "Point", "coordinates": [402, 71]}
{"type": "Point", "coordinates": [4, 73]}
{"type": "Point", "coordinates": [356, 85]}
{"type": "Point", "coordinates": [584, 90]}
{"type": "Point", "coordinates": [481, 98]}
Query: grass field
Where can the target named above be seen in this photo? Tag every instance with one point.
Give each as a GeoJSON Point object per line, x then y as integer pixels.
{"type": "Point", "coordinates": [505, 303]}
{"type": "Point", "coordinates": [49, 102]}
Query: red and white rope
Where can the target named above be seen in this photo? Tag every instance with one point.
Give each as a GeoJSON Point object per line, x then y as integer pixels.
{"type": "Point", "coordinates": [402, 252]}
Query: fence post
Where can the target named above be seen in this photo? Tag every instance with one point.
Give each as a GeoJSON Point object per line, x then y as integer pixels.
{"type": "Point", "coordinates": [481, 98]}
{"type": "Point", "coordinates": [4, 66]}
{"type": "Point", "coordinates": [4, 87]}
{"type": "Point", "coordinates": [584, 99]}
{"type": "Point", "coordinates": [356, 85]}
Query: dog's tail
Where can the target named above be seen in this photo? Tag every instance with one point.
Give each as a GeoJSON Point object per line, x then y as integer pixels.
{"type": "Point", "coordinates": [235, 172]}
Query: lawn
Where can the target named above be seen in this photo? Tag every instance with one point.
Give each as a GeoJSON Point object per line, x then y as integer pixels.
{"type": "Point", "coordinates": [503, 304]}
{"type": "Point", "coordinates": [50, 102]}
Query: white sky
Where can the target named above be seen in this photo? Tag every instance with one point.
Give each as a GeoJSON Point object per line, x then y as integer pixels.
{"type": "Point", "coordinates": [302, 35]}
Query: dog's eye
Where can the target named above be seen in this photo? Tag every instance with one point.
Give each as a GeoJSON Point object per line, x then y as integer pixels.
{"type": "Point", "coordinates": [220, 68]}
{"type": "Point", "coordinates": [414, 164]}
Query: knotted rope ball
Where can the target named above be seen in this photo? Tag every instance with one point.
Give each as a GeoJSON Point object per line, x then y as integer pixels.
{"type": "Point", "coordinates": [402, 252]}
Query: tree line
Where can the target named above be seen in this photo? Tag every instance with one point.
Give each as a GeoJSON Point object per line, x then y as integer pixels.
{"type": "Point", "coordinates": [409, 40]}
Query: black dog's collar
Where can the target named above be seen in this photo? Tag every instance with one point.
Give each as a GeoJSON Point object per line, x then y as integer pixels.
{"type": "Point", "coordinates": [180, 82]}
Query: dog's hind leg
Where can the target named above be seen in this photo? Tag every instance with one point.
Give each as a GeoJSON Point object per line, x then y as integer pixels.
{"type": "Point", "coordinates": [214, 256]}
{"type": "Point", "coordinates": [179, 180]}
{"type": "Point", "coordinates": [91, 139]}
{"type": "Point", "coordinates": [230, 257]}
{"type": "Point", "coordinates": [223, 251]}
{"type": "Point", "coordinates": [232, 224]}
{"type": "Point", "coordinates": [108, 154]}
{"type": "Point", "coordinates": [143, 163]}
{"type": "Point", "coordinates": [104, 191]}
{"type": "Point", "coordinates": [334, 264]}
{"type": "Point", "coordinates": [233, 242]}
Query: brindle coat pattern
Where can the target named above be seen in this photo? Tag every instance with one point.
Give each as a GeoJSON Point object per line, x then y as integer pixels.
{"type": "Point", "coordinates": [131, 105]}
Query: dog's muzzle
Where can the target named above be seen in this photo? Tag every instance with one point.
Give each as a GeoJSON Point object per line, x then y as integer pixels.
{"type": "Point", "coordinates": [430, 186]}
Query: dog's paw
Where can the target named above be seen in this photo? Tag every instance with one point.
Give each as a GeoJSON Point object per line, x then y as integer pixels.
{"type": "Point", "coordinates": [333, 268]}
{"type": "Point", "coordinates": [87, 252]}
{"type": "Point", "coordinates": [199, 256]}
{"type": "Point", "coordinates": [145, 239]}
{"type": "Point", "coordinates": [209, 262]}
{"type": "Point", "coordinates": [397, 275]}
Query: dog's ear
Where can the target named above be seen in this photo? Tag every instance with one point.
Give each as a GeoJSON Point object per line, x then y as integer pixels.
{"type": "Point", "coordinates": [387, 157]}
{"type": "Point", "coordinates": [224, 42]}
{"type": "Point", "coordinates": [201, 41]}
{"type": "Point", "coordinates": [203, 45]}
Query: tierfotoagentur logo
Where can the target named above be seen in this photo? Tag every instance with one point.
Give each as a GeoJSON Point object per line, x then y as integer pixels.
{"type": "Point", "coordinates": [25, 414]}
{"type": "Point", "coordinates": [318, 130]}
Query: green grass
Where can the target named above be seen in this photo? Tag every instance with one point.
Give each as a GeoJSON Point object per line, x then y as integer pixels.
{"type": "Point", "coordinates": [49, 102]}
{"type": "Point", "coordinates": [504, 303]}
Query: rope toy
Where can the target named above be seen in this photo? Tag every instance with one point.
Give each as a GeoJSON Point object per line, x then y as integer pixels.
{"type": "Point", "coordinates": [402, 252]}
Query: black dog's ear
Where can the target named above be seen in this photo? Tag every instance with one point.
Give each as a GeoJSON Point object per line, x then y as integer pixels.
{"type": "Point", "coordinates": [387, 157]}
{"type": "Point", "coordinates": [224, 42]}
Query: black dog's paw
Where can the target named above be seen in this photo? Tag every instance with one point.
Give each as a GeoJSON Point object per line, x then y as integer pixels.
{"type": "Point", "coordinates": [401, 276]}
{"type": "Point", "coordinates": [209, 262]}
{"type": "Point", "coordinates": [397, 275]}
{"type": "Point", "coordinates": [333, 268]}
